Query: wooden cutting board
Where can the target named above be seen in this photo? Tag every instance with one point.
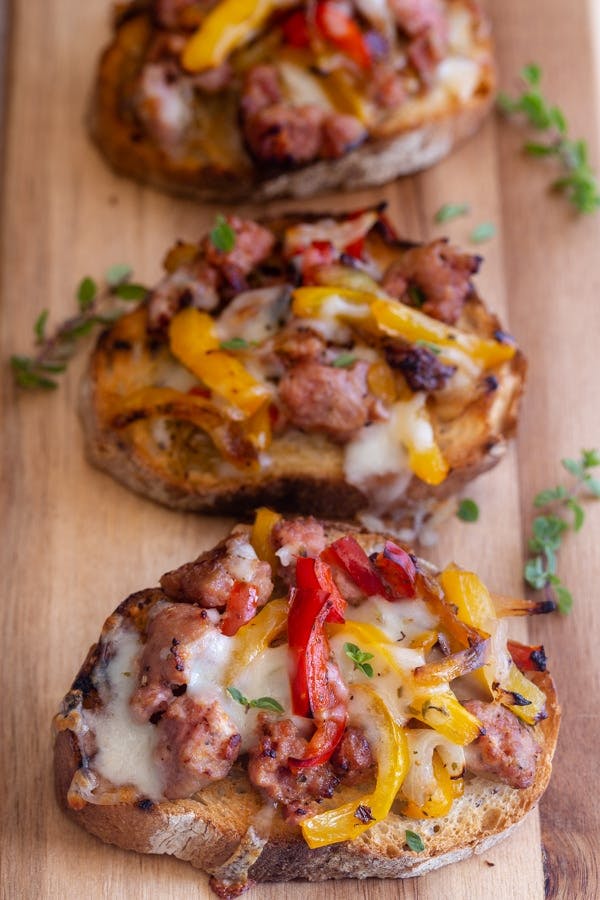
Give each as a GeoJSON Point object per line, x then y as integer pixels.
{"type": "Point", "coordinates": [75, 542]}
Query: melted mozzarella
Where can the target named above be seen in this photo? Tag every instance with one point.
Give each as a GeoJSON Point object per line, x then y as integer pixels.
{"type": "Point", "coordinates": [460, 76]}
{"type": "Point", "coordinates": [376, 460]}
{"type": "Point", "coordinates": [125, 747]}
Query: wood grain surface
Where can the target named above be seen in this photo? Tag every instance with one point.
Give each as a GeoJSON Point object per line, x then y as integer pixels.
{"type": "Point", "coordinates": [75, 542]}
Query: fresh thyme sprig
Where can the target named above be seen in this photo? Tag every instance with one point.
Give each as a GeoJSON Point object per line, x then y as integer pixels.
{"type": "Point", "coordinates": [360, 659]}
{"type": "Point", "coordinates": [579, 182]}
{"type": "Point", "coordinates": [260, 703]}
{"type": "Point", "coordinates": [549, 529]}
{"type": "Point", "coordinates": [97, 306]}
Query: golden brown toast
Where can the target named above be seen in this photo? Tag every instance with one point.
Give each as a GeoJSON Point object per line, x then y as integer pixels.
{"type": "Point", "coordinates": [323, 451]}
{"type": "Point", "coordinates": [219, 827]}
{"type": "Point", "coordinates": [208, 157]}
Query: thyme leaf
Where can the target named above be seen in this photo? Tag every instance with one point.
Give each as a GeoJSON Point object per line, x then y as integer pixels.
{"type": "Point", "coordinates": [222, 235]}
{"type": "Point", "coordinates": [450, 211]}
{"type": "Point", "coordinates": [260, 703]}
{"type": "Point", "coordinates": [96, 307]}
{"type": "Point", "coordinates": [360, 659]}
{"type": "Point", "coordinates": [578, 182]}
{"type": "Point", "coordinates": [548, 530]}
{"type": "Point", "coordinates": [467, 511]}
{"type": "Point", "coordinates": [414, 841]}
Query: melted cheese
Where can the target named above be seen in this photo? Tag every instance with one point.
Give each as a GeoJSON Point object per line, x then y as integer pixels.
{"type": "Point", "coordinates": [125, 747]}
{"type": "Point", "coordinates": [375, 460]}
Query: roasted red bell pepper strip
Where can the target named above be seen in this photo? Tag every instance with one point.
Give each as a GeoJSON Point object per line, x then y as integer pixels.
{"type": "Point", "coordinates": [356, 248]}
{"type": "Point", "coordinates": [339, 28]}
{"type": "Point", "coordinates": [527, 659]}
{"type": "Point", "coordinates": [347, 553]}
{"type": "Point", "coordinates": [315, 575]}
{"type": "Point", "coordinates": [313, 603]}
{"type": "Point", "coordinates": [295, 30]}
{"type": "Point", "coordinates": [305, 606]}
{"type": "Point", "coordinates": [241, 607]}
{"type": "Point", "coordinates": [328, 712]}
{"type": "Point", "coordinates": [398, 570]}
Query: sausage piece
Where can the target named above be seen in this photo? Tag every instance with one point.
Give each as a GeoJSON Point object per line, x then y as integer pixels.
{"type": "Point", "coordinates": [209, 580]}
{"type": "Point", "coordinates": [507, 752]}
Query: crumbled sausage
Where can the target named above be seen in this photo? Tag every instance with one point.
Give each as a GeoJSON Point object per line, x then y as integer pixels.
{"type": "Point", "coordinates": [196, 743]}
{"type": "Point", "coordinates": [280, 133]}
{"type": "Point", "coordinates": [163, 666]}
{"type": "Point", "coordinates": [300, 537]}
{"type": "Point", "coordinates": [252, 244]}
{"type": "Point", "coordinates": [352, 758]}
{"type": "Point", "coordinates": [209, 580]}
{"type": "Point", "coordinates": [508, 751]}
{"type": "Point", "coordinates": [268, 769]}
{"type": "Point", "coordinates": [194, 284]}
{"type": "Point", "coordinates": [323, 398]}
{"type": "Point", "coordinates": [440, 274]}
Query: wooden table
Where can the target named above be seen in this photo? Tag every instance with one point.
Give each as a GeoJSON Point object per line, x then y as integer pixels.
{"type": "Point", "coordinates": [75, 542]}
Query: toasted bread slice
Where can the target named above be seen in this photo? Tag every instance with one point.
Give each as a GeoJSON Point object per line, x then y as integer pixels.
{"type": "Point", "coordinates": [344, 393]}
{"type": "Point", "coordinates": [337, 123]}
{"type": "Point", "coordinates": [221, 828]}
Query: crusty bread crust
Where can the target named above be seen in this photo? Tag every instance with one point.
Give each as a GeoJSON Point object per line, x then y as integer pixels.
{"type": "Point", "coordinates": [401, 149]}
{"type": "Point", "coordinates": [213, 830]}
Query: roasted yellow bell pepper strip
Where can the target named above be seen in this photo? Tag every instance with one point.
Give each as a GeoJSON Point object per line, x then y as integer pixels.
{"type": "Point", "coordinates": [443, 712]}
{"type": "Point", "coordinates": [191, 333]}
{"type": "Point", "coordinates": [258, 428]}
{"type": "Point", "coordinates": [470, 597]}
{"type": "Point", "coordinates": [194, 342]}
{"type": "Point", "coordinates": [345, 97]}
{"type": "Point", "coordinates": [260, 537]}
{"type": "Point", "coordinates": [475, 607]}
{"type": "Point", "coordinates": [228, 25]}
{"type": "Point", "coordinates": [308, 302]}
{"type": "Point", "coordinates": [424, 641]}
{"type": "Point", "coordinates": [441, 799]}
{"type": "Point", "coordinates": [532, 705]}
{"type": "Point", "coordinates": [400, 320]}
{"type": "Point", "coordinates": [425, 458]}
{"type": "Point", "coordinates": [348, 821]}
{"type": "Point", "coordinates": [255, 636]}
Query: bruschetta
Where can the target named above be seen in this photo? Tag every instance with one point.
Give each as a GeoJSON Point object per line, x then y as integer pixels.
{"type": "Point", "coordinates": [307, 701]}
{"type": "Point", "coordinates": [236, 99]}
{"type": "Point", "coordinates": [312, 364]}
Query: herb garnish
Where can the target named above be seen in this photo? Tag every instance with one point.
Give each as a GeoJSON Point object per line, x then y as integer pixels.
{"type": "Point", "coordinates": [235, 343]}
{"type": "Point", "coordinates": [450, 211]}
{"type": "Point", "coordinates": [359, 658]}
{"type": "Point", "coordinates": [417, 296]}
{"type": "Point", "coordinates": [96, 307]}
{"type": "Point", "coordinates": [579, 183]}
{"type": "Point", "coordinates": [344, 360]}
{"type": "Point", "coordinates": [483, 232]}
{"type": "Point", "coordinates": [222, 235]}
{"type": "Point", "coordinates": [548, 530]}
{"type": "Point", "coordinates": [260, 703]}
{"type": "Point", "coordinates": [467, 511]}
{"type": "Point", "coordinates": [414, 841]}
{"type": "Point", "coordinates": [429, 345]}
